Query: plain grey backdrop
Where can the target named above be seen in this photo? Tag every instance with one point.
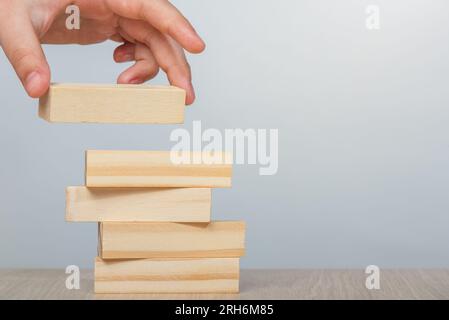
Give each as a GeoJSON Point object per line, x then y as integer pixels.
{"type": "Point", "coordinates": [363, 121]}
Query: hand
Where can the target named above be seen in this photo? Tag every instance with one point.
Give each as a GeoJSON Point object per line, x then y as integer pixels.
{"type": "Point", "coordinates": [153, 33]}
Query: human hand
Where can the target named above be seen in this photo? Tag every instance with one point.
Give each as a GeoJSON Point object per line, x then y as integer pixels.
{"type": "Point", "coordinates": [153, 32]}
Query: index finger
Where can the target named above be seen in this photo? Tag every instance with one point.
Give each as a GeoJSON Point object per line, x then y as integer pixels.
{"type": "Point", "coordinates": [162, 15]}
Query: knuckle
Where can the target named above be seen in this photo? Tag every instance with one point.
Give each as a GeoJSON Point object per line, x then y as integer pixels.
{"type": "Point", "coordinates": [21, 55]}
{"type": "Point", "coordinates": [170, 25]}
{"type": "Point", "coordinates": [180, 68]}
{"type": "Point", "coordinates": [148, 37]}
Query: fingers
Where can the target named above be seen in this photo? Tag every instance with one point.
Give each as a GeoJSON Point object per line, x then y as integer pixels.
{"type": "Point", "coordinates": [162, 15]}
{"type": "Point", "coordinates": [145, 67]}
{"type": "Point", "coordinates": [23, 49]}
{"type": "Point", "coordinates": [168, 54]}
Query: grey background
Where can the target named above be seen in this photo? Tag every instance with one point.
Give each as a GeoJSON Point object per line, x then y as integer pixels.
{"type": "Point", "coordinates": [363, 120]}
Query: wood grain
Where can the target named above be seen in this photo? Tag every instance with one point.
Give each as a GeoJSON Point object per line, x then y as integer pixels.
{"type": "Point", "coordinates": [112, 103]}
{"type": "Point", "coordinates": [123, 240]}
{"type": "Point", "coordinates": [203, 275]}
{"type": "Point", "coordinates": [255, 284]}
{"type": "Point", "coordinates": [138, 204]}
{"type": "Point", "coordinates": [115, 168]}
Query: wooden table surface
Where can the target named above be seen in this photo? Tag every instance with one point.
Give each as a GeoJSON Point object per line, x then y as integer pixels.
{"type": "Point", "coordinates": [254, 284]}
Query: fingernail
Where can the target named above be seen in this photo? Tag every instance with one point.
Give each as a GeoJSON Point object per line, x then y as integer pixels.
{"type": "Point", "coordinates": [127, 56]}
{"type": "Point", "coordinates": [127, 49]}
{"type": "Point", "coordinates": [32, 81]}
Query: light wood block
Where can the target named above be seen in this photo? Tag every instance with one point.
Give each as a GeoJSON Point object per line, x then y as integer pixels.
{"type": "Point", "coordinates": [113, 168]}
{"type": "Point", "coordinates": [138, 204]}
{"type": "Point", "coordinates": [97, 103]}
{"type": "Point", "coordinates": [129, 240]}
{"type": "Point", "coordinates": [201, 275]}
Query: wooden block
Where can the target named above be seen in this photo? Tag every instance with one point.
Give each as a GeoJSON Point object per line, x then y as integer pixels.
{"type": "Point", "coordinates": [138, 204]}
{"type": "Point", "coordinates": [200, 275]}
{"type": "Point", "coordinates": [113, 103]}
{"type": "Point", "coordinates": [129, 240]}
{"type": "Point", "coordinates": [109, 168]}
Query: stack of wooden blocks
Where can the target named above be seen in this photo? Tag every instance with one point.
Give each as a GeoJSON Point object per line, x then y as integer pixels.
{"type": "Point", "coordinates": [155, 233]}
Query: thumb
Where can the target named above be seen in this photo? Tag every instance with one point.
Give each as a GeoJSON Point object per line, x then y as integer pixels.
{"type": "Point", "coordinates": [22, 47]}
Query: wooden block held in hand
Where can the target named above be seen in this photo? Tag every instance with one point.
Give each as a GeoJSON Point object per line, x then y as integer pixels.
{"type": "Point", "coordinates": [138, 204]}
{"type": "Point", "coordinates": [115, 103]}
{"type": "Point", "coordinates": [115, 168]}
{"type": "Point", "coordinates": [200, 275]}
{"type": "Point", "coordinates": [129, 240]}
